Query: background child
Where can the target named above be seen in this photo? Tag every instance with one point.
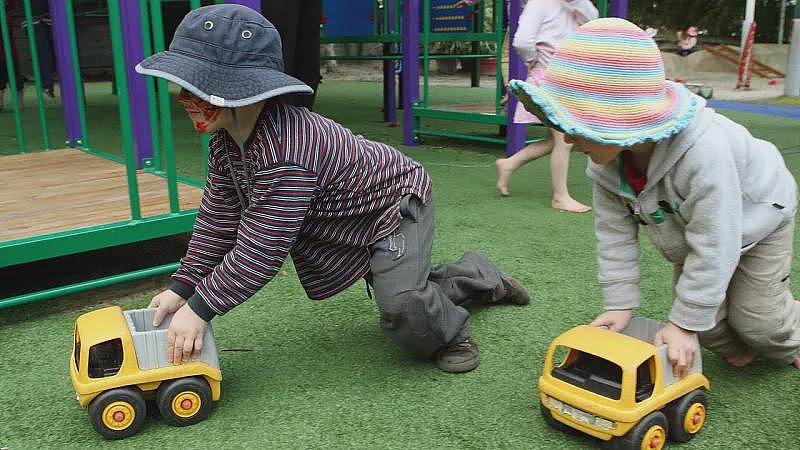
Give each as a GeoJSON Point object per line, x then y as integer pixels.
{"type": "Point", "coordinates": [542, 26]}
{"type": "Point", "coordinates": [283, 180]}
{"type": "Point", "coordinates": [717, 202]}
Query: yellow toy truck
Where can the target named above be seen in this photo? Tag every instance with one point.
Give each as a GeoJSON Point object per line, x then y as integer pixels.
{"type": "Point", "coordinates": [619, 387]}
{"type": "Point", "coordinates": [119, 360]}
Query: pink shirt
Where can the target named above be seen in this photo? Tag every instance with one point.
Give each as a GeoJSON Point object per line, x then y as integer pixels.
{"type": "Point", "coordinates": [545, 23]}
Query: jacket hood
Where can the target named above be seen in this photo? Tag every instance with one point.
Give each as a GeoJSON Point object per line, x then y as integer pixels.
{"type": "Point", "coordinates": [582, 10]}
{"type": "Point", "coordinates": [666, 153]}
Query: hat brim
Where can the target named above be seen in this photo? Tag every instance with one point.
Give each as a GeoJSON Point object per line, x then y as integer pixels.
{"type": "Point", "coordinates": [221, 85]}
{"type": "Point", "coordinates": [543, 105]}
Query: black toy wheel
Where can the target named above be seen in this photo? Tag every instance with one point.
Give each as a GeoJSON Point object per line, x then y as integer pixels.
{"type": "Point", "coordinates": [185, 401]}
{"type": "Point", "coordinates": [118, 413]}
{"type": "Point", "coordinates": [686, 416]}
{"type": "Point", "coordinates": [649, 434]}
{"type": "Point", "coordinates": [554, 423]}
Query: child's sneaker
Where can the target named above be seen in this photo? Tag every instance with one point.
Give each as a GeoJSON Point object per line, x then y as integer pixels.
{"type": "Point", "coordinates": [515, 293]}
{"type": "Point", "coordinates": [458, 357]}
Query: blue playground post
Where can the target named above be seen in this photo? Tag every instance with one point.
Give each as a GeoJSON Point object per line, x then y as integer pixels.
{"type": "Point", "coordinates": [66, 75]}
{"type": "Point", "coordinates": [618, 8]}
{"type": "Point", "coordinates": [410, 67]}
{"type": "Point", "coordinates": [389, 77]}
{"type": "Point", "coordinates": [137, 83]}
{"type": "Point", "coordinates": [515, 135]}
{"type": "Point", "coordinates": [254, 4]}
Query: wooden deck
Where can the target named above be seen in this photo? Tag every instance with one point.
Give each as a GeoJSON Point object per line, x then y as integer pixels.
{"type": "Point", "coordinates": [61, 190]}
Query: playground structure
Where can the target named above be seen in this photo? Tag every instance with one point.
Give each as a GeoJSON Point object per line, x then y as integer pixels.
{"type": "Point", "coordinates": [731, 55]}
{"type": "Point", "coordinates": [406, 41]}
{"type": "Point", "coordinates": [358, 21]}
{"type": "Point", "coordinates": [400, 27]}
{"type": "Point", "coordinates": [63, 200]}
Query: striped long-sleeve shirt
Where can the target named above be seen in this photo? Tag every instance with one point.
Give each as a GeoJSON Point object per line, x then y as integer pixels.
{"type": "Point", "coordinates": [312, 189]}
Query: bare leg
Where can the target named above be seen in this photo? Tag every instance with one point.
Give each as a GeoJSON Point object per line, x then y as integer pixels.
{"type": "Point", "coordinates": [507, 166]}
{"type": "Point", "coordinates": [797, 362]}
{"type": "Point", "coordinates": [559, 165]}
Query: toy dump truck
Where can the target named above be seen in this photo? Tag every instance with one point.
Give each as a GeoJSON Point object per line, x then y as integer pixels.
{"type": "Point", "coordinates": [119, 360]}
{"type": "Point", "coordinates": [619, 387]}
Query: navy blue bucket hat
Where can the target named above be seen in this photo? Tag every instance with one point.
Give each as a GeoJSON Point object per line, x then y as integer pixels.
{"type": "Point", "coordinates": [228, 55]}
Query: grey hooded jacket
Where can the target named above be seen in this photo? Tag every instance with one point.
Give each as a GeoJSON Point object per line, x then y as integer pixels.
{"type": "Point", "coordinates": [713, 191]}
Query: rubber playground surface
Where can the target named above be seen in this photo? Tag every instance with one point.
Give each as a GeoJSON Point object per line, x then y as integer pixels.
{"type": "Point", "coordinates": [302, 374]}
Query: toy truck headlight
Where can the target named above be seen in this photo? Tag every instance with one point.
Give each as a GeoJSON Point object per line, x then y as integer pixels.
{"type": "Point", "coordinates": [604, 423]}
{"type": "Point", "coordinates": [555, 404]}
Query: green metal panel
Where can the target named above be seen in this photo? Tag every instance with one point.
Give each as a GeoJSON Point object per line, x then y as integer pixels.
{"type": "Point", "coordinates": [85, 239]}
{"type": "Point", "coordinates": [498, 36]}
{"type": "Point", "coordinates": [164, 107]}
{"type": "Point", "coordinates": [455, 37]}
{"type": "Point", "coordinates": [121, 78]}
{"type": "Point", "coordinates": [470, 137]}
{"type": "Point", "coordinates": [602, 7]}
{"type": "Point", "coordinates": [381, 38]}
{"type": "Point", "coordinates": [86, 285]}
{"type": "Point", "coordinates": [12, 80]}
{"type": "Point", "coordinates": [461, 116]}
{"type": "Point", "coordinates": [37, 74]}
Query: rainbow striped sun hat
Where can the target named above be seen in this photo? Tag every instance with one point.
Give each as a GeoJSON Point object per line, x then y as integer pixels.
{"type": "Point", "coordinates": [606, 83]}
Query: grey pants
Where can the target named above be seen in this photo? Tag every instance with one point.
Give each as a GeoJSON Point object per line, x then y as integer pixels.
{"type": "Point", "coordinates": [759, 311]}
{"type": "Point", "coordinates": [419, 304]}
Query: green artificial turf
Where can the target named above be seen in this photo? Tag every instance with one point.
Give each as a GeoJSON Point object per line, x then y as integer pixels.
{"type": "Point", "coordinates": [303, 374]}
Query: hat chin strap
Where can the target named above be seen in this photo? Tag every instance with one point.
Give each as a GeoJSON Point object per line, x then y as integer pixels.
{"type": "Point", "coordinates": [239, 143]}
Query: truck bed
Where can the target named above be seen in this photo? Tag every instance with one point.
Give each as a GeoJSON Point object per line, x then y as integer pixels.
{"type": "Point", "coordinates": [645, 329]}
{"type": "Point", "coordinates": [150, 341]}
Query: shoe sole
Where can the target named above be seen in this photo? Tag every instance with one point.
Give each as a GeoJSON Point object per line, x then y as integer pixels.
{"type": "Point", "coordinates": [465, 366]}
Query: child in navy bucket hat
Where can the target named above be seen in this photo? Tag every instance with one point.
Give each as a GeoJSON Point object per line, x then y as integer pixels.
{"type": "Point", "coordinates": [283, 180]}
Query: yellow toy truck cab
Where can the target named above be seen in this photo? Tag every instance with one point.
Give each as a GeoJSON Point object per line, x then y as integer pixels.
{"type": "Point", "coordinates": [119, 359]}
{"type": "Point", "coordinates": [619, 387]}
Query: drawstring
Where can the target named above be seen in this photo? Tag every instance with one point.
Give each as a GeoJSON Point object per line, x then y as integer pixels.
{"type": "Point", "coordinates": [239, 143]}
{"type": "Point", "coordinates": [366, 282]}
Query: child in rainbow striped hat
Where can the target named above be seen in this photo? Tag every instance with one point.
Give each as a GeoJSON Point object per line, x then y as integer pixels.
{"type": "Point", "coordinates": [716, 201]}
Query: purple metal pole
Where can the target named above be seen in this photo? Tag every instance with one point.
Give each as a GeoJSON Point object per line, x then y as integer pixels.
{"type": "Point", "coordinates": [254, 4]}
{"type": "Point", "coordinates": [515, 136]}
{"type": "Point", "coordinates": [137, 84]}
{"type": "Point", "coordinates": [410, 80]}
{"type": "Point", "coordinates": [66, 77]}
{"type": "Point", "coordinates": [389, 77]}
{"type": "Point", "coordinates": [618, 8]}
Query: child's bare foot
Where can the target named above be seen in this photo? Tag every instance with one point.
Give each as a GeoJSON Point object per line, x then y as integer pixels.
{"type": "Point", "coordinates": [797, 362]}
{"type": "Point", "coordinates": [570, 205]}
{"type": "Point", "coordinates": [503, 174]}
{"type": "Point", "coordinates": [743, 359]}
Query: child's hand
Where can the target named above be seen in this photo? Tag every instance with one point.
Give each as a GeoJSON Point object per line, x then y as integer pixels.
{"type": "Point", "coordinates": [682, 346]}
{"type": "Point", "coordinates": [185, 335]}
{"type": "Point", "coordinates": [167, 302]}
{"type": "Point", "coordinates": [616, 320]}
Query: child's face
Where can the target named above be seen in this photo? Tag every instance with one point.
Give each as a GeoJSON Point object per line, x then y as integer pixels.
{"type": "Point", "coordinates": [204, 115]}
{"type": "Point", "coordinates": [600, 153]}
